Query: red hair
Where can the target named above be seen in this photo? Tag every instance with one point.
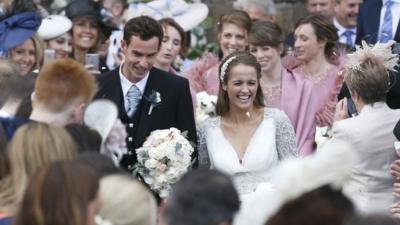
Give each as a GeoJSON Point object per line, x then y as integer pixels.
{"type": "Point", "coordinates": [62, 82]}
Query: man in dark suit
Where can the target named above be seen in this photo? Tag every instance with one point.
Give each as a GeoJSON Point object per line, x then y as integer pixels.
{"type": "Point", "coordinates": [147, 98]}
{"type": "Point", "coordinates": [371, 17]}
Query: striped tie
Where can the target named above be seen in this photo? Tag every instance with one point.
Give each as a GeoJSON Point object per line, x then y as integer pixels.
{"type": "Point", "coordinates": [133, 97]}
{"type": "Point", "coordinates": [348, 35]}
{"type": "Point", "coordinates": [386, 31]}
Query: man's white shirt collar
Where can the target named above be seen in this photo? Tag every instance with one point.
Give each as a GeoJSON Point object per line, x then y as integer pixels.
{"type": "Point", "coordinates": [342, 29]}
{"type": "Point", "coordinates": [126, 84]}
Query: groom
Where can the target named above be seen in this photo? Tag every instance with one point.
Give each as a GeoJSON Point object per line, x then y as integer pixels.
{"type": "Point", "coordinates": [147, 98]}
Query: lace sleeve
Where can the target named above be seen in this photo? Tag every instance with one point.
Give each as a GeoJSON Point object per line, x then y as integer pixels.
{"type": "Point", "coordinates": [285, 136]}
{"type": "Point", "coordinates": [204, 159]}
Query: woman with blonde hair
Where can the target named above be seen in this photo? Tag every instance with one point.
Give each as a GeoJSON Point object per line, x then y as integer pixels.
{"type": "Point", "coordinates": [62, 193]}
{"type": "Point", "coordinates": [116, 206]}
{"type": "Point", "coordinates": [33, 146]}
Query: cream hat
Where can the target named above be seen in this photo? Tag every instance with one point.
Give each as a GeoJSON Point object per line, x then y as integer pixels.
{"type": "Point", "coordinates": [187, 15]}
{"type": "Point", "coordinates": [54, 26]}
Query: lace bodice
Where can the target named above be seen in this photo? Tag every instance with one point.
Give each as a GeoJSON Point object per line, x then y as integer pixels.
{"type": "Point", "coordinates": [273, 140]}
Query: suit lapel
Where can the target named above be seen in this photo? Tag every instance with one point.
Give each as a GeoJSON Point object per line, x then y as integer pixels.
{"type": "Point", "coordinates": [114, 93]}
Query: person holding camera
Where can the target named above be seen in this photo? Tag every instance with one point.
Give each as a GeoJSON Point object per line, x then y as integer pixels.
{"type": "Point", "coordinates": [370, 134]}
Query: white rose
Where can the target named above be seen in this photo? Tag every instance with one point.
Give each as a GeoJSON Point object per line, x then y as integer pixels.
{"type": "Point", "coordinates": [151, 163]}
{"type": "Point", "coordinates": [156, 153]}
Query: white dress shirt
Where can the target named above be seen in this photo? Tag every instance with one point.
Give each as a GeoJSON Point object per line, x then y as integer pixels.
{"type": "Point", "coordinates": [126, 84]}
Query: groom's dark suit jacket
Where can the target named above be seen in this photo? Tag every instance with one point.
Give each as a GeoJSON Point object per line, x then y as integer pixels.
{"type": "Point", "coordinates": [175, 110]}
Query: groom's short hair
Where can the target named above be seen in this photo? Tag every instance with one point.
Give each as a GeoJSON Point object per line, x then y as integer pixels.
{"type": "Point", "coordinates": [202, 197]}
{"type": "Point", "coordinates": [61, 82]}
{"type": "Point", "coordinates": [145, 28]}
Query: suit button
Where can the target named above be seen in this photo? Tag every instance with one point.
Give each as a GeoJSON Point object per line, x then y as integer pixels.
{"type": "Point", "coordinates": [130, 139]}
{"type": "Point", "coordinates": [130, 167]}
{"type": "Point", "coordinates": [130, 125]}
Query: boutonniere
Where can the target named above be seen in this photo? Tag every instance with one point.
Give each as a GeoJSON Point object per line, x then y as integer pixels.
{"type": "Point", "coordinates": [154, 99]}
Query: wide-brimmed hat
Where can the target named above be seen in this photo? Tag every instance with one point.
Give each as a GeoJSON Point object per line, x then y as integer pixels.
{"type": "Point", "coordinates": [187, 15]}
{"type": "Point", "coordinates": [54, 26]}
{"type": "Point", "coordinates": [83, 8]}
{"type": "Point", "coordinates": [90, 9]}
{"type": "Point", "coordinates": [14, 30]}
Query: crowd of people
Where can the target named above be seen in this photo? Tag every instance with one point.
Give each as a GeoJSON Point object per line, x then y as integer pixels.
{"type": "Point", "coordinates": [84, 83]}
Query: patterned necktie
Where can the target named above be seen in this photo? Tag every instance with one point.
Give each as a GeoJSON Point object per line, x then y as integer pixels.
{"type": "Point", "coordinates": [348, 35]}
{"type": "Point", "coordinates": [386, 31]}
{"type": "Point", "coordinates": [133, 98]}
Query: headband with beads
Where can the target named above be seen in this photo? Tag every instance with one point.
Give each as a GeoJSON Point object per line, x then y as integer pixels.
{"type": "Point", "coordinates": [225, 66]}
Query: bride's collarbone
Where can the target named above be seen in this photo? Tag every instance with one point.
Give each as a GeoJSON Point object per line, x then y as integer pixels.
{"type": "Point", "coordinates": [240, 135]}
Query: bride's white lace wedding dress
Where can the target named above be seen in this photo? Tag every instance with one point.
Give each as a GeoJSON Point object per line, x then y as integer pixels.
{"type": "Point", "coordinates": [272, 141]}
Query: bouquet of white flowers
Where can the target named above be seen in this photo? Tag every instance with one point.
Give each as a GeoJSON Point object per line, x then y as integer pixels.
{"type": "Point", "coordinates": [163, 159]}
{"type": "Point", "coordinates": [205, 106]}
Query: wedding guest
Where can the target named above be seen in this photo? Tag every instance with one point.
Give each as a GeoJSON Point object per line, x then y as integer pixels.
{"type": "Point", "coordinates": [55, 30]}
{"type": "Point", "coordinates": [13, 89]}
{"type": "Point", "coordinates": [14, 7]}
{"type": "Point", "coordinates": [86, 27]}
{"type": "Point", "coordinates": [246, 140]}
{"type": "Point", "coordinates": [323, 205]}
{"type": "Point", "coordinates": [282, 88]}
{"type": "Point", "coordinates": [33, 146]}
{"type": "Point", "coordinates": [345, 20]}
{"type": "Point", "coordinates": [116, 207]}
{"type": "Point", "coordinates": [173, 40]}
{"type": "Point", "coordinates": [318, 61]}
{"type": "Point", "coordinates": [135, 85]}
{"type": "Point", "coordinates": [172, 45]}
{"type": "Point", "coordinates": [378, 21]}
{"type": "Point", "coordinates": [19, 42]}
{"type": "Point", "coordinates": [62, 91]}
{"type": "Point", "coordinates": [86, 139]}
{"type": "Point", "coordinates": [28, 55]}
{"type": "Point", "coordinates": [59, 194]}
{"type": "Point", "coordinates": [370, 134]}
{"type": "Point", "coordinates": [258, 10]}
{"type": "Point", "coordinates": [202, 197]}
{"type": "Point", "coordinates": [233, 28]}
{"type": "Point", "coordinates": [321, 7]}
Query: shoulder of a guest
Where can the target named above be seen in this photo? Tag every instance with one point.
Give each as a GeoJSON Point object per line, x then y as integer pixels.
{"type": "Point", "coordinates": [169, 77]}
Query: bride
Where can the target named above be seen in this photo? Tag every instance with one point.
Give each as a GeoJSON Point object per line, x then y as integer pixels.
{"type": "Point", "coordinates": [246, 140]}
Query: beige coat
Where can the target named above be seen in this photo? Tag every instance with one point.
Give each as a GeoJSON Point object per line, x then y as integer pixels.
{"type": "Point", "coordinates": [370, 136]}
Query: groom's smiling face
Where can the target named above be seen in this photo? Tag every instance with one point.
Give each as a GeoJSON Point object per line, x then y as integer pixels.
{"type": "Point", "coordinates": [140, 56]}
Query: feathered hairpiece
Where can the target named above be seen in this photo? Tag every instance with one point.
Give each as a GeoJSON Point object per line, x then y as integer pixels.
{"type": "Point", "coordinates": [379, 51]}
